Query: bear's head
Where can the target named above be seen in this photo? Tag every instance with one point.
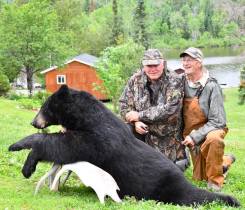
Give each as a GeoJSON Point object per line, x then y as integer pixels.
{"type": "Point", "coordinates": [74, 110]}
{"type": "Point", "coordinates": [49, 114]}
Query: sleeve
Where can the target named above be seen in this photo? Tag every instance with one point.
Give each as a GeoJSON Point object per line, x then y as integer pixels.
{"type": "Point", "coordinates": [126, 101]}
{"type": "Point", "coordinates": [173, 103]}
{"type": "Point", "coordinates": [216, 116]}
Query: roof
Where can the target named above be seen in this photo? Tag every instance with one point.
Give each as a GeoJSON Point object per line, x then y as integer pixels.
{"type": "Point", "coordinates": [87, 59]}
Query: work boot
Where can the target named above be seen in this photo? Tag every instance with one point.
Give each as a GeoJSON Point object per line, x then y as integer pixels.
{"type": "Point", "coordinates": [213, 187]}
{"type": "Point", "coordinates": [184, 163]}
{"type": "Point", "coordinates": [228, 160]}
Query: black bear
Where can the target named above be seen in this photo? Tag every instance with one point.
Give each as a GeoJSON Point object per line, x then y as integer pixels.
{"type": "Point", "coordinates": [96, 135]}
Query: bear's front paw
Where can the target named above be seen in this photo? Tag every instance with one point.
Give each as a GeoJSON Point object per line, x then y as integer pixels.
{"type": "Point", "coordinates": [15, 147]}
{"type": "Point", "coordinates": [27, 171]}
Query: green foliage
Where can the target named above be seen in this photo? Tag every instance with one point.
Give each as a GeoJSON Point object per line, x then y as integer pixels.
{"type": "Point", "coordinates": [95, 31]}
{"type": "Point", "coordinates": [86, 6]}
{"type": "Point", "coordinates": [4, 84]}
{"type": "Point", "coordinates": [180, 24]}
{"type": "Point", "coordinates": [241, 95]}
{"type": "Point", "coordinates": [115, 67]}
{"type": "Point", "coordinates": [30, 39]}
{"type": "Point", "coordinates": [12, 95]}
{"type": "Point", "coordinates": [35, 34]}
{"type": "Point", "coordinates": [242, 87]}
{"type": "Point", "coordinates": [208, 13]}
{"type": "Point", "coordinates": [41, 96]}
{"type": "Point", "coordinates": [71, 21]}
{"type": "Point", "coordinates": [29, 103]}
{"type": "Point", "coordinates": [117, 32]}
{"type": "Point", "coordinates": [26, 102]}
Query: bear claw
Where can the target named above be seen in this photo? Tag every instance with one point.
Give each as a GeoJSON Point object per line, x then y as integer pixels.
{"type": "Point", "coordinates": [15, 147]}
{"type": "Point", "coordinates": [27, 172]}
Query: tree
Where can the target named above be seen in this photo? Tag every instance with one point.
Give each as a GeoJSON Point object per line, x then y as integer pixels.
{"type": "Point", "coordinates": [95, 33]}
{"type": "Point", "coordinates": [71, 20]}
{"type": "Point", "coordinates": [117, 32]}
{"type": "Point", "coordinates": [140, 35]}
{"type": "Point", "coordinates": [208, 13]}
{"type": "Point", "coordinates": [116, 66]}
{"type": "Point", "coordinates": [195, 23]}
{"type": "Point", "coordinates": [1, 4]}
{"type": "Point", "coordinates": [30, 38]}
{"type": "Point", "coordinates": [242, 87]}
{"type": "Point", "coordinates": [86, 6]}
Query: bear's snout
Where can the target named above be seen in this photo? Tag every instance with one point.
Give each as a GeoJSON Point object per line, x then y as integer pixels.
{"type": "Point", "coordinates": [39, 121]}
{"type": "Point", "coordinates": [34, 124]}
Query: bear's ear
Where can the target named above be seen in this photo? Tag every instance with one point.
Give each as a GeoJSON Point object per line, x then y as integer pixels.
{"type": "Point", "coordinates": [63, 93]}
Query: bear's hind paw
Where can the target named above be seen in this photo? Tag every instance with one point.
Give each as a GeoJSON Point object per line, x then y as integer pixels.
{"type": "Point", "coordinates": [232, 201]}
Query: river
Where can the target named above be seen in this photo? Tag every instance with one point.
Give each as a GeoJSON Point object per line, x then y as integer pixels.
{"type": "Point", "coordinates": [224, 64]}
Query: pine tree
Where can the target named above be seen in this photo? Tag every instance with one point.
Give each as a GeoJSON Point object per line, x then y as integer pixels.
{"type": "Point", "coordinates": [208, 13]}
{"type": "Point", "coordinates": [89, 6]}
{"type": "Point", "coordinates": [86, 6]}
{"type": "Point", "coordinates": [140, 35]}
{"type": "Point", "coordinates": [117, 32]}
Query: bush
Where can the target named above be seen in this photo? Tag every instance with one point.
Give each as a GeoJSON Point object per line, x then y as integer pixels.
{"type": "Point", "coordinates": [4, 84]}
{"type": "Point", "coordinates": [41, 96]}
{"type": "Point", "coordinates": [14, 96]}
{"type": "Point", "coordinates": [242, 87]}
{"type": "Point", "coordinates": [115, 67]}
{"type": "Point", "coordinates": [28, 103]}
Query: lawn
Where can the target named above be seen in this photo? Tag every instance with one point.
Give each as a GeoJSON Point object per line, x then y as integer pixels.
{"type": "Point", "coordinates": [16, 192]}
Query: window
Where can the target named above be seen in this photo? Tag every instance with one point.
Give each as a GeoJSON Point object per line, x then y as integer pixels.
{"type": "Point", "coordinates": [61, 79]}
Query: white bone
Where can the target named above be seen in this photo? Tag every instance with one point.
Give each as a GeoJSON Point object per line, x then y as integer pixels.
{"type": "Point", "coordinates": [50, 176]}
{"type": "Point", "coordinates": [63, 181]}
{"type": "Point", "coordinates": [92, 176]}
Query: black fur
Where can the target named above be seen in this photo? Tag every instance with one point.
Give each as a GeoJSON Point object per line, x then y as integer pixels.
{"type": "Point", "coordinates": [96, 135]}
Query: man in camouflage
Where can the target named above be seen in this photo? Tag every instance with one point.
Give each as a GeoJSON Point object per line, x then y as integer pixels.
{"type": "Point", "coordinates": [152, 102]}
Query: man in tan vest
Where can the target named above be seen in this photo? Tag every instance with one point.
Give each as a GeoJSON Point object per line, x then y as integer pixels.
{"type": "Point", "coordinates": [204, 121]}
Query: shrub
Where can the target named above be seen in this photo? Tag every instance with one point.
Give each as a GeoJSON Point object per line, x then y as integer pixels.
{"type": "Point", "coordinates": [115, 67]}
{"type": "Point", "coordinates": [4, 84]}
{"type": "Point", "coordinates": [12, 95]}
{"type": "Point", "coordinates": [28, 103]}
{"type": "Point", "coordinates": [41, 96]}
{"type": "Point", "coordinates": [242, 87]}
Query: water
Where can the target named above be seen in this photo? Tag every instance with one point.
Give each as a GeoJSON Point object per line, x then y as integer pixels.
{"type": "Point", "coordinates": [224, 64]}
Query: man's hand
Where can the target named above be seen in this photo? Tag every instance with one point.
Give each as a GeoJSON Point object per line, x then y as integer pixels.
{"type": "Point", "coordinates": [188, 142]}
{"type": "Point", "coordinates": [141, 128]}
{"type": "Point", "coordinates": [132, 116]}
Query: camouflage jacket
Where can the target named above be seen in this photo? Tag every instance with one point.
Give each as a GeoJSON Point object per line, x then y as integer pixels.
{"type": "Point", "coordinates": [160, 108]}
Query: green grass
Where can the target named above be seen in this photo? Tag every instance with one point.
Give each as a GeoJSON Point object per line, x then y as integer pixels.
{"type": "Point", "coordinates": [16, 192]}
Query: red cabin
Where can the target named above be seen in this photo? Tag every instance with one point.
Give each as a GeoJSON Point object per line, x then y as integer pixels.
{"type": "Point", "coordinates": [79, 73]}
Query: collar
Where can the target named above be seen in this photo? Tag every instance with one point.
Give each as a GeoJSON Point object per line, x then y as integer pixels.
{"type": "Point", "coordinates": [202, 81]}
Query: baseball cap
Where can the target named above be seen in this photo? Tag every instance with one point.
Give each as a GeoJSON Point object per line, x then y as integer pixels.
{"type": "Point", "coordinates": [152, 57]}
{"type": "Point", "coordinates": [194, 53]}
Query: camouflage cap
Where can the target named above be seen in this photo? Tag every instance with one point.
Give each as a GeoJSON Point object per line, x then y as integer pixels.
{"type": "Point", "coordinates": [194, 53]}
{"type": "Point", "coordinates": [152, 57]}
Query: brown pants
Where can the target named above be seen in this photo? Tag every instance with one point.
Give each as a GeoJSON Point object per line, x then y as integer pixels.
{"type": "Point", "coordinates": [208, 162]}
